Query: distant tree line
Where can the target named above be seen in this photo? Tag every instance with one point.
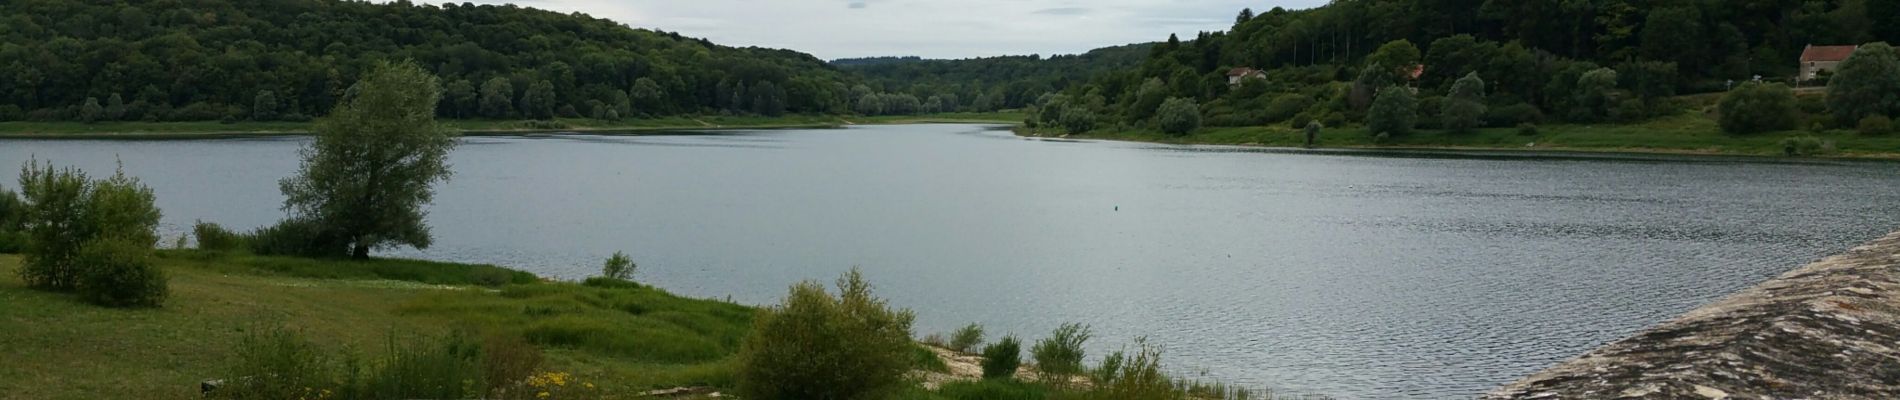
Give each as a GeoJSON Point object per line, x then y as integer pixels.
{"type": "Point", "coordinates": [1572, 61]}
{"type": "Point", "coordinates": [988, 84]}
{"type": "Point", "coordinates": [189, 60]}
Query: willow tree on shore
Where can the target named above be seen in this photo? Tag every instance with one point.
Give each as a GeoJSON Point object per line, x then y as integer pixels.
{"type": "Point", "coordinates": [374, 162]}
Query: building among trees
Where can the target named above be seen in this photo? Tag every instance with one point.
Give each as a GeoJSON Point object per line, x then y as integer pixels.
{"type": "Point", "coordinates": [1816, 59]}
{"type": "Point", "coordinates": [1240, 75]}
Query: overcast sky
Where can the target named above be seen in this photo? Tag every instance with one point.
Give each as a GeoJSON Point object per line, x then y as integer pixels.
{"type": "Point", "coordinates": [833, 29]}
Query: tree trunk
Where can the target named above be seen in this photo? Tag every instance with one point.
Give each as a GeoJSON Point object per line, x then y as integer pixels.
{"type": "Point", "coordinates": [359, 251]}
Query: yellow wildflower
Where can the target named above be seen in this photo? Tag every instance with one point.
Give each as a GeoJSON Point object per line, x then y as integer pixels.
{"type": "Point", "coordinates": [543, 395]}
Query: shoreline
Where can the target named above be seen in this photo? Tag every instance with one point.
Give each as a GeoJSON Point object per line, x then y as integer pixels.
{"type": "Point", "coordinates": [477, 128]}
{"type": "Point", "coordinates": [1502, 151]}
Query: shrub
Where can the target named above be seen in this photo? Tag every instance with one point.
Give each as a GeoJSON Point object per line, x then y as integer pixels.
{"type": "Point", "coordinates": [1077, 119]}
{"type": "Point", "coordinates": [215, 238]}
{"type": "Point", "coordinates": [1865, 84]}
{"type": "Point", "coordinates": [298, 237]}
{"type": "Point", "coordinates": [65, 210]}
{"type": "Point", "coordinates": [1630, 110]}
{"type": "Point", "coordinates": [1178, 116]}
{"type": "Point", "coordinates": [966, 338]}
{"type": "Point", "coordinates": [618, 267]}
{"type": "Point", "coordinates": [816, 346]}
{"type": "Point", "coordinates": [1312, 133]}
{"type": "Point", "coordinates": [1061, 354]}
{"type": "Point", "coordinates": [1000, 359]}
{"type": "Point", "coordinates": [1393, 113]}
{"type": "Point", "coordinates": [1301, 120]}
{"type": "Point", "coordinates": [1527, 129]}
{"type": "Point", "coordinates": [1802, 146]}
{"type": "Point", "coordinates": [1875, 125]}
{"type": "Point", "coordinates": [1286, 106]}
{"type": "Point", "coordinates": [1122, 377]}
{"type": "Point", "coordinates": [119, 273]}
{"type": "Point", "coordinates": [1465, 109]}
{"type": "Point", "coordinates": [1757, 107]}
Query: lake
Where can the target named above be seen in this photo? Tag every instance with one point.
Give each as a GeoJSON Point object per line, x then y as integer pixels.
{"type": "Point", "coordinates": [1356, 274]}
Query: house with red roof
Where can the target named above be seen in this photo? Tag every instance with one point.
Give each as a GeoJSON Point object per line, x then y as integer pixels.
{"type": "Point", "coordinates": [1238, 75]}
{"type": "Point", "coordinates": [1816, 59]}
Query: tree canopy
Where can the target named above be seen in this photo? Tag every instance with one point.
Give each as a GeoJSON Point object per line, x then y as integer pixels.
{"type": "Point", "coordinates": [211, 59]}
{"type": "Point", "coordinates": [374, 163]}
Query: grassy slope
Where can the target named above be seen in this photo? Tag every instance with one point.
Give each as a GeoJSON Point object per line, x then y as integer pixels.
{"type": "Point", "coordinates": [625, 339]}
{"type": "Point", "coordinates": [198, 129]}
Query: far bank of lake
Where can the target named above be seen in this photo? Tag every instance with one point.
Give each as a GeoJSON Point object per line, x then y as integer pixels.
{"type": "Point", "coordinates": [1686, 134]}
{"type": "Point", "coordinates": [214, 129]}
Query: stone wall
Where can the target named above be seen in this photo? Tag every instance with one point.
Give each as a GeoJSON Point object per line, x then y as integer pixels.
{"type": "Point", "coordinates": [1828, 330]}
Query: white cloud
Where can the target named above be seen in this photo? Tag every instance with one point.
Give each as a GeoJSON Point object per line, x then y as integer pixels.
{"type": "Point", "coordinates": [930, 28]}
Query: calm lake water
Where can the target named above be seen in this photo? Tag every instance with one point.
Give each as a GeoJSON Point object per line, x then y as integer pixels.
{"type": "Point", "coordinates": [1352, 274]}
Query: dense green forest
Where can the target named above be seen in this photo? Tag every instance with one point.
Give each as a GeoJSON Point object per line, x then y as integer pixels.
{"type": "Point", "coordinates": [1329, 63]}
{"type": "Point", "coordinates": [993, 83]}
{"type": "Point", "coordinates": [169, 60]}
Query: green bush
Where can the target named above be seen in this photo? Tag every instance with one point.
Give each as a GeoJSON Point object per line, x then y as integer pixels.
{"type": "Point", "coordinates": [1000, 359]}
{"type": "Point", "coordinates": [1302, 119]}
{"type": "Point", "coordinates": [1286, 106]}
{"type": "Point", "coordinates": [816, 346]}
{"type": "Point", "coordinates": [1803, 146]}
{"type": "Point", "coordinates": [1757, 107]}
{"type": "Point", "coordinates": [618, 266]}
{"type": "Point", "coordinates": [1078, 120]}
{"type": "Point", "coordinates": [65, 211]}
{"type": "Point", "coordinates": [120, 273]}
{"type": "Point", "coordinates": [1875, 125]}
{"type": "Point", "coordinates": [966, 338]}
{"type": "Point", "coordinates": [1178, 116]}
{"type": "Point", "coordinates": [1527, 129]}
{"type": "Point", "coordinates": [300, 238]}
{"type": "Point", "coordinates": [1394, 112]}
{"type": "Point", "coordinates": [1137, 377]}
{"type": "Point", "coordinates": [1060, 355]}
{"type": "Point", "coordinates": [215, 238]}
{"type": "Point", "coordinates": [1865, 84]}
{"type": "Point", "coordinates": [1464, 110]}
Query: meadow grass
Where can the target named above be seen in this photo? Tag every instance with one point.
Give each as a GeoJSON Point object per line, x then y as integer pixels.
{"type": "Point", "coordinates": [629, 339]}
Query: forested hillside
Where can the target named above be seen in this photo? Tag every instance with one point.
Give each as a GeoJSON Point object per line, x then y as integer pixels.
{"type": "Point", "coordinates": [1533, 57]}
{"type": "Point", "coordinates": [292, 59]}
{"type": "Point", "coordinates": [989, 84]}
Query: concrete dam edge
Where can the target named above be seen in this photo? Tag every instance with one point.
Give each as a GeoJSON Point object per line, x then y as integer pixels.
{"type": "Point", "coordinates": [1827, 330]}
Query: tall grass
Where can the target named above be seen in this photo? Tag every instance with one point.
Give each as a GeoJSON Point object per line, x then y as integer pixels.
{"type": "Point", "coordinates": [281, 364]}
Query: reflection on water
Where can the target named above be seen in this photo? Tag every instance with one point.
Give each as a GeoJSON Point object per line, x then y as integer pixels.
{"type": "Point", "coordinates": [1415, 274]}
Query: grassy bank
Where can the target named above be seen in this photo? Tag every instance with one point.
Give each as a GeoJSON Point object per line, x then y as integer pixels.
{"type": "Point", "coordinates": [107, 130]}
{"type": "Point", "coordinates": [1688, 133]}
{"type": "Point", "coordinates": [626, 339]}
